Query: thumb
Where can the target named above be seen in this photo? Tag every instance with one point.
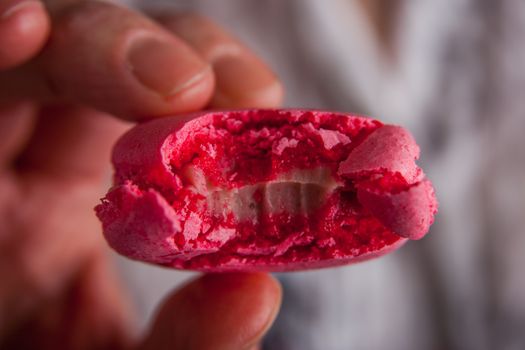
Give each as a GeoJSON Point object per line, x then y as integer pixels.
{"type": "Point", "coordinates": [217, 311]}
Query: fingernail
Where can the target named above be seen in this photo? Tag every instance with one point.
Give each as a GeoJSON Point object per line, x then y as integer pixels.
{"type": "Point", "coordinates": [164, 67]}
{"type": "Point", "coordinates": [17, 7]}
{"type": "Point", "coordinates": [243, 80]}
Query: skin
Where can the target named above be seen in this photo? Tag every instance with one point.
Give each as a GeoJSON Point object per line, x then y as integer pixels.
{"type": "Point", "coordinates": [74, 75]}
{"type": "Point", "coordinates": [382, 16]}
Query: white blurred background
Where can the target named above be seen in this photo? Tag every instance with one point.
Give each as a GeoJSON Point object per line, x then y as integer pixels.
{"type": "Point", "coordinates": [451, 71]}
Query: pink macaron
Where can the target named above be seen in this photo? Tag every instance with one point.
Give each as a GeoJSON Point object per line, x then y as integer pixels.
{"type": "Point", "coordinates": [269, 190]}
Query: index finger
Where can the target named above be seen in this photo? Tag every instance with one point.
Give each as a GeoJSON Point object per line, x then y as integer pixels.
{"type": "Point", "coordinates": [242, 79]}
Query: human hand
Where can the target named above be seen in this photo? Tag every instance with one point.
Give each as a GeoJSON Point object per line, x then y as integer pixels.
{"type": "Point", "coordinates": [58, 90]}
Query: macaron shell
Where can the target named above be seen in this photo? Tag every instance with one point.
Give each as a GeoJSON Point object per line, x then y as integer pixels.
{"type": "Point", "coordinates": [408, 213]}
{"type": "Point", "coordinates": [139, 224]}
{"type": "Point", "coordinates": [239, 264]}
{"type": "Point", "coordinates": [141, 153]}
{"type": "Point", "coordinates": [389, 148]}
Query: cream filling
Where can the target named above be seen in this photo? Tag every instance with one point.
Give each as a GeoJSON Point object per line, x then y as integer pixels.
{"type": "Point", "coordinates": [296, 192]}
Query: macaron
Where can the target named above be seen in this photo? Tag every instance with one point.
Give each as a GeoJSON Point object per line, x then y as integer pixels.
{"type": "Point", "coordinates": [265, 190]}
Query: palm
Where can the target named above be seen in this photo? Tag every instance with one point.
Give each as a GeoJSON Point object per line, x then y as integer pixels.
{"type": "Point", "coordinates": [51, 251]}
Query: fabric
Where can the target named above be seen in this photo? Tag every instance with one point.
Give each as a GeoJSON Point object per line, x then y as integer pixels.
{"type": "Point", "coordinates": [455, 77]}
